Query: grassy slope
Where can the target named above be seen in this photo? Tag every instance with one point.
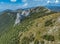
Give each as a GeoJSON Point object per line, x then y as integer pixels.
{"type": "Point", "coordinates": [11, 36]}
{"type": "Point", "coordinates": [38, 27]}
{"type": "Point", "coordinates": [6, 22]}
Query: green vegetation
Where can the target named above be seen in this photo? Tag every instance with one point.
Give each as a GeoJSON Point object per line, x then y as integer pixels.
{"type": "Point", "coordinates": [42, 42]}
{"type": "Point", "coordinates": [36, 42]}
{"type": "Point", "coordinates": [49, 23]}
{"type": "Point", "coordinates": [49, 37]}
{"type": "Point", "coordinates": [32, 38]}
{"type": "Point", "coordinates": [25, 40]}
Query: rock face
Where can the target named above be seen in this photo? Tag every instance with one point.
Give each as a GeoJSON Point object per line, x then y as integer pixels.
{"type": "Point", "coordinates": [21, 16]}
{"type": "Point", "coordinates": [17, 19]}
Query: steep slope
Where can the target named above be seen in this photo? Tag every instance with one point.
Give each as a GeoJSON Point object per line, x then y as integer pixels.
{"type": "Point", "coordinates": [34, 24]}
{"type": "Point", "coordinates": [6, 21]}
{"type": "Point", "coordinates": [44, 30]}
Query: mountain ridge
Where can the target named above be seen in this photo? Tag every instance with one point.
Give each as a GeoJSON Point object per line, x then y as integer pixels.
{"type": "Point", "coordinates": [13, 34]}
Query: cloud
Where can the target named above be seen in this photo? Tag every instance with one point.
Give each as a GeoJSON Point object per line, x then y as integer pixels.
{"type": "Point", "coordinates": [25, 4]}
{"type": "Point", "coordinates": [56, 1]}
{"type": "Point", "coordinates": [24, 0]}
{"type": "Point", "coordinates": [13, 0]}
{"type": "Point", "coordinates": [48, 1]}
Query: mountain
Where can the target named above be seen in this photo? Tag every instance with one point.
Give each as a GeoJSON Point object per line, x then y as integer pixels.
{"type": "Point", "coordinates": [34, 26]}
{"type": "Point", "coordinates": [53, 7]}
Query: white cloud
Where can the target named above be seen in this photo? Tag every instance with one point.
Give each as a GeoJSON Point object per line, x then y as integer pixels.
{"type": "Point", "coordinates": [13, 0]}
{"type": "Point", "coordinates": [48, 1]}
{"type": "Point", "coordinates": [56, 1]}
{"type": "Point", "coordinates": [24, 0]}
{"type": "Point", "coordinates": [25, 4]}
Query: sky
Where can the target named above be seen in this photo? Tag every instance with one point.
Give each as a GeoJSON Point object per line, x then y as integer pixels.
{"type": "Point", "coordinates": [15, 4]}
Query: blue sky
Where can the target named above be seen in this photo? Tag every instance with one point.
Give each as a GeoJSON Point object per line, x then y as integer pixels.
{"type": "Point", "coordinates": [15, 4]}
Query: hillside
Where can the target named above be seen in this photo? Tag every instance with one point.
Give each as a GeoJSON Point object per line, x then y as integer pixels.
{"type": "Point", "coordinates": [41, 26]}
{"type": "Point", "coordinates": [6, 20]}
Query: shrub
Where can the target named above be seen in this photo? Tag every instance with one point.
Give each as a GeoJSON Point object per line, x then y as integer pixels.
{"type": "Point", "coordinates": [25, 40]}
{"type": "Point", "coordinates": [36, 42]}
{"type": "Point", "coordinates": [49, 22]}
{"type": "Point", "coordinates": [32, 37]}
{"type": "Point", "coordinates": [48, 37]}
{"type": "Point", "coordinates": [42, 42]}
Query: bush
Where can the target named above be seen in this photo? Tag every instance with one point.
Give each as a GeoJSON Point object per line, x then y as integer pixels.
{"type": "Point", "coordinates": [42, 42]}
{"type": "Point", "coordinates": [36, 42]}
{"type": "Point", "coordinates": [48, 37]}
{"type": "Point", "coordinates": [25, 40]}
{"type": "Point", "coordinates": [31, 37]}
{"type": "Point", "coordinates": [49, 22]}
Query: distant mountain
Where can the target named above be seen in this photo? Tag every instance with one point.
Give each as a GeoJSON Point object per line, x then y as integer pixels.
{"type": "Point", "coordinates": [53, 7]}
{"type": "Point", "coordinates": [13, 23]}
